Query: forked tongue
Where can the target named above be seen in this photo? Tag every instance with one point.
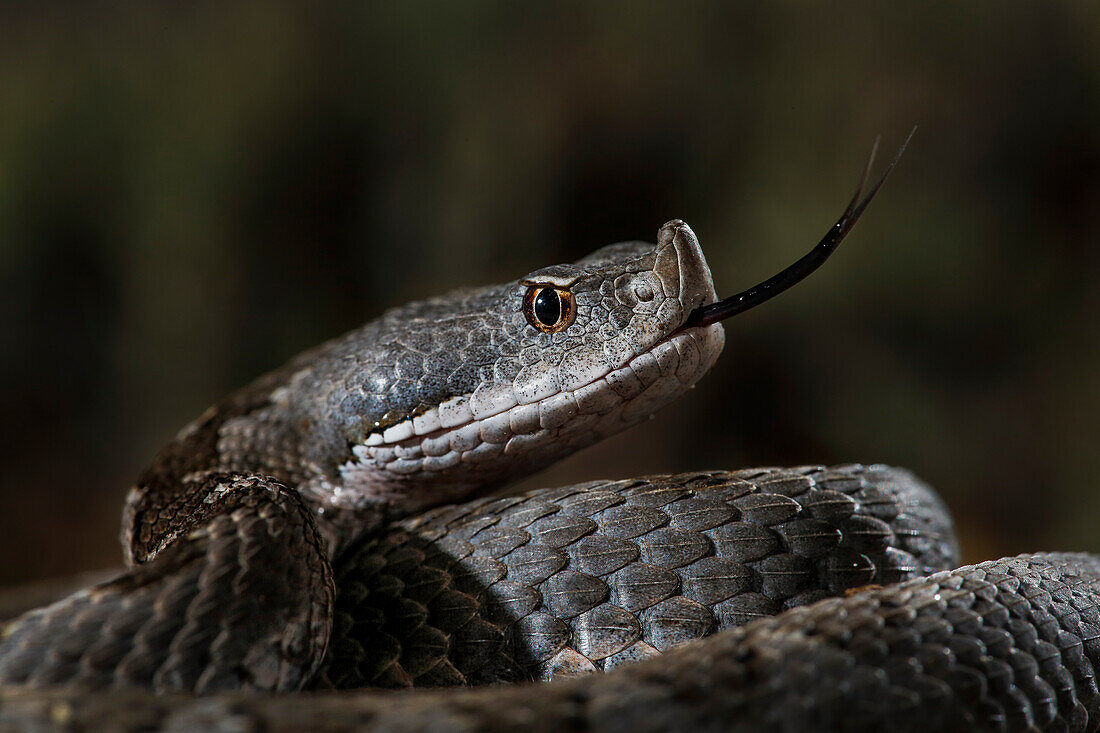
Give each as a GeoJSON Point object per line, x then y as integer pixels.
{"type": "Point", "coordinates": [707, 314]}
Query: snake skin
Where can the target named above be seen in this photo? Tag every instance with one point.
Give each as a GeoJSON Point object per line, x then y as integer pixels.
{"type": "Point", "coordinates": [241, 602]}
{"type": "Point", "coordinates": [592, 576]}
{"type": "Point", "coordinates": [1007, 645]}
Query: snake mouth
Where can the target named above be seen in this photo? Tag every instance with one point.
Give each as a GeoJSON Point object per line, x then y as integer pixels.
{"type": "Point", "coordinates": [446, 437]}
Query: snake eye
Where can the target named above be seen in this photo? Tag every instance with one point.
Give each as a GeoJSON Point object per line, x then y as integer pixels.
{"type": "Point", "coordinates": [548, 308]}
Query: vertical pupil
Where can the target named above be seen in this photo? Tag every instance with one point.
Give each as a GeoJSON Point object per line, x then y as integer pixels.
{"type": "Point", "coordinates": [548, 306]}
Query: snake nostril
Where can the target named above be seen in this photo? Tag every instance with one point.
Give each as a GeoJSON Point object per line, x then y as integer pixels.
{"type": "Point", "coordinates": [643, 292]}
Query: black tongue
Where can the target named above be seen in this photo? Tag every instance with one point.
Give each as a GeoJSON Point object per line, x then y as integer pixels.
{"type": "Point", "coordinates": [776, 284]}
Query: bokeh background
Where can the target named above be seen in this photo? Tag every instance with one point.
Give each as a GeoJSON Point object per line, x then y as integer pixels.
{"type": "Point", "coordinates": [190, 193]}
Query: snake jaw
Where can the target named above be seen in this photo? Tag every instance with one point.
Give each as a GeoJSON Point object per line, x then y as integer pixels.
{"type": "Point", "coordinates": [455, 458]}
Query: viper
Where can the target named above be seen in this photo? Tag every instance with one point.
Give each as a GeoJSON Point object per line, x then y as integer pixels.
{"type": "Point", "coordinates": [315, 530]}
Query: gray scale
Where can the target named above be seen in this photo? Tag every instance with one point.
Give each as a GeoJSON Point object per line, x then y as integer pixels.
{"type": "Point", "coordinates": [542, 585]}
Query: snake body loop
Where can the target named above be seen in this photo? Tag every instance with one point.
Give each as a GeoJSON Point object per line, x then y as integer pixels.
{"type": "Point", "coordinates": [286, 543]}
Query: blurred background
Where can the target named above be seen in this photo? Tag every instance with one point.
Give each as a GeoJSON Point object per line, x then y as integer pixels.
{"type": "Point", "coordinates": [192, 193]}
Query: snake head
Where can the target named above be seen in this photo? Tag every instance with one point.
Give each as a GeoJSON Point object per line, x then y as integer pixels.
{"type": "Point", "coordinates": [477, 387]}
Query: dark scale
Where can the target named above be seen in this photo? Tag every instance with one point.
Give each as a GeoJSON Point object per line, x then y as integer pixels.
{"type": "Point", "coordinates": [609, 574]}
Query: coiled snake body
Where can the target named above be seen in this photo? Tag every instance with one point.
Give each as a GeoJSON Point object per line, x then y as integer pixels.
{"type": "Point", "coordinates": [284, 543]}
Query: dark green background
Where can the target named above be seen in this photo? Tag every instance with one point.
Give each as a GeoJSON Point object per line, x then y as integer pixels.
{"type": "Point", "coordinates": [192, 192]}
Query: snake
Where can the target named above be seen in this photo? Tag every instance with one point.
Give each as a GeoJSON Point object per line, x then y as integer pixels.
{"type": "Point", "coordinates": [324, 549]}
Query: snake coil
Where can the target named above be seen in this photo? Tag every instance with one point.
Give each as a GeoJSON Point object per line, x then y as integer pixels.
{"type": "Point", "coordinates": [307, 535]}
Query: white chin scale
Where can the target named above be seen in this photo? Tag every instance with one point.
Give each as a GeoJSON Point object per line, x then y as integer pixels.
{"type": "Point", "coordinates": [487, 438]}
